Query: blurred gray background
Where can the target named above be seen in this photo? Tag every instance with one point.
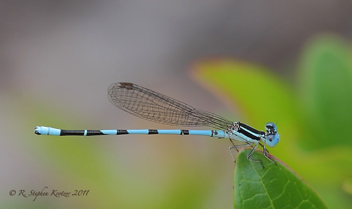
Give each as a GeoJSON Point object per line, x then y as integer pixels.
{"type": "Point", "coordinates": [62, 56]}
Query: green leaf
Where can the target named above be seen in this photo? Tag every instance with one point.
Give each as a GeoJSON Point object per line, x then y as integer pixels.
{"type": "Point", "coordinates": [274, 186]}
{"type": "Point", "coordinates": [252, 88]}
{"type": "Point", "coordinates": [326, 88]}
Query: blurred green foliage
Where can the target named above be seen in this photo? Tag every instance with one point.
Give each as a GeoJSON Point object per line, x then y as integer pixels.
{"type": "Point", "coordinates": [313, 111]}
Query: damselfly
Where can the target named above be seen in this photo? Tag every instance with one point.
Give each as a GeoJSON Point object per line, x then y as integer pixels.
{"type": "Point", "coordinates": [153, 106]}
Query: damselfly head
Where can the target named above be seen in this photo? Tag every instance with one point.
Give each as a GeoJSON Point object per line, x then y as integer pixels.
{"type": "Point", "coordinates": [272, 137]}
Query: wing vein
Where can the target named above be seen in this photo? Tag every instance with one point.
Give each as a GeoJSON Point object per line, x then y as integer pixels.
{"type": "Point", "coordinates": [153, 106]}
